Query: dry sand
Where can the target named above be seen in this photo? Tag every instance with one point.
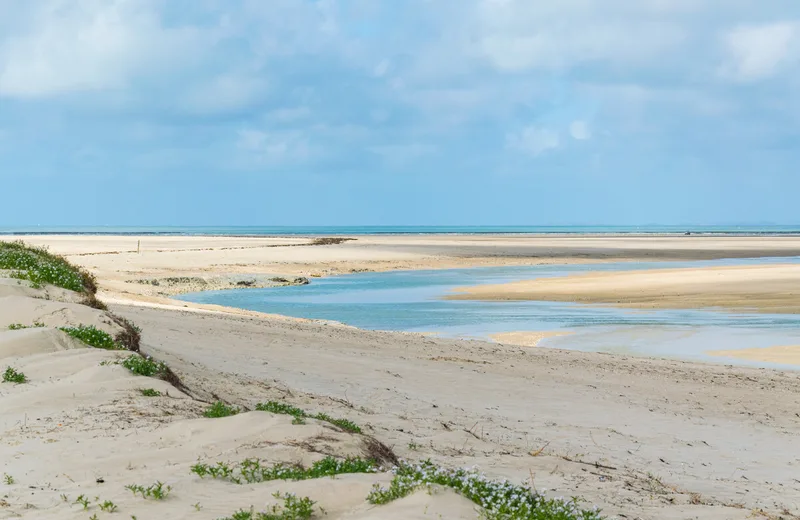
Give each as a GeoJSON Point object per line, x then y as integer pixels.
{"type": "Point", "coordinates": [648, 439]}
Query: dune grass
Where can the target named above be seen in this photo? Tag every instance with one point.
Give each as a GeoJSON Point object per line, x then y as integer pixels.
{"type": "Point", "coordinates": [93, 337]}
{"type": "Point", "coordinates": [144, 366]}
{"type": "Point", "coordinates": [251, 471]}
{"type": "Point", "coordinates": [220, 409]}
{"type": "Point", "coordinates": [41, 267]}
{"type": "Point", "coordinates": [293, 508]}
{"type": "Point", "coordinates": [12, 375]}
{"type": "Point", "coordinates": [499, 500]}
{"type": "Point", "coordinates": [300, 414]}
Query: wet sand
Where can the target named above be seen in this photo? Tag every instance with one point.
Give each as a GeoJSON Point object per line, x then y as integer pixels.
{"type": "Point", "coordinates": [761, 288]}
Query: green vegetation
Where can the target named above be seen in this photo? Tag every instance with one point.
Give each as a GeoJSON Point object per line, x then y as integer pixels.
{"type": "Point", "coordinates": [299, 414]}
{"type": "Point", "coordinates": [8, 479]}
{"type": "Point", "coordinates": [93, 337]}
{"type": "Point", "coordinates": [41, 267]}
{"type": "Point", "coordinates": [250, 471]}
{"type": "Point", "coordinates": [293, 508]}
{"type": "Point", "coordinates": [11, 375]}
{"type": "Point", "coordinates": [83, 500]}
{"type": "Point", "coordinates": [220, 409]}
{"type": "Point", "coordinates": [157, 491]}
{"type": "Point", "coordinates": [500, 500]}
{"type": "Point", "coordinates": [150, 392]}
{"type": "Point", "coordinates": [20, 326]}
{"type": "Point", "coordinates": [108, 506]}
{"type": "Point", "coordinates": [144, 366]}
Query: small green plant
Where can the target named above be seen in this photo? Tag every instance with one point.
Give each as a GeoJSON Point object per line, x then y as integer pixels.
{"type": "Point", "coordinates": [94, 517]}
{"type": "Point", "coordinates": [92, 336]}
{"type": "Point", "coordinates": [500, 500]}
{"type": "Point", "coordinates": [220, 409]}
{"type": "Point", "coordinates": [64, 497]}
{"type": "Point", "coordinates": [150, 392]}
{"type": "Point", "coordinates": [299, 420]}
{"type": "Point", "coordinates": [84, 501]}
{"type": "Point", "coordinates": [251, 471]}
{"type": "Point", "coordinates": [293, 508]}
{"type": "Point", "coordinates": [108, 506]}
{"type": "Point", "coordinates": [8, 479]}
{"type": "Point", "coordinates": [143, 366]}
{"type": "Point", "coordinates": [297, 413]}
{"type": "Point", "coordinates": [12, 375]}
{"type": "Point", "coordinates": [157, 491]}
{"type": "Point", "coordinates": [413, 446]}
{"type": "Point", "coordinates": [197, 506]}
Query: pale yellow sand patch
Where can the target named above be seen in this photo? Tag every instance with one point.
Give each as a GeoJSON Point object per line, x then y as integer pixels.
{"type": "Point", "coordinates": [786, 355]}
{"type": "Point", "coordinates": [527, 338]}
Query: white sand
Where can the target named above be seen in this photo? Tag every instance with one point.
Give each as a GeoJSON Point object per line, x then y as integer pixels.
{"type": "Point", "coordinates": [670, 440]}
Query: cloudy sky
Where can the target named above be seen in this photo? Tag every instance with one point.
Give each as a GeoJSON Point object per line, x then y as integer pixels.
{"type": "Point", "coordinates": [308, 112]}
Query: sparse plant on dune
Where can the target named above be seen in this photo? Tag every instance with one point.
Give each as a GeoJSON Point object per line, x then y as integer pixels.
{"type": "Point", "coordinates": [12, 375]}
{"type": "Point", "coordinates": [499, 500]}
{"type": "Point", "coordinates": [299, 414]}
{"type": "Point", "coordinates": [220, 409]}
{"type": "Point", "coordinates": [157, 491]}
{"type": "Point", "coordinates": [8, 479]}
{"type": "Point", "coordinates": [293, 508]}
{"type": "Point", "coordinates": [144, 366]}
{"type": "Point", "coordinates": [92, 336]}
{"type": "Point", "coordinates": [251, 471]}
{"type": "Point", "coordinates": [149, 392]}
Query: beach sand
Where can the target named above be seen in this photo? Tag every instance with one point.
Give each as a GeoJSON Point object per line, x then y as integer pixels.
{"type": "Point", "coordinates": [764, 288]}
{"type": "Point", "coordinates": [786, 355]}
{"type": "Point", "coordinates": [650, 439]}
{"type": "Point", "coordinates": [526, 338]}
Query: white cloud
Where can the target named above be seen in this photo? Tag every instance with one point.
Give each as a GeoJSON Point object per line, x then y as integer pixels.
{"type": "Point", "coordinates": [533, 140]}
{"type": "Point", "coordinates": [758, 52]}
{"type": "Point", "coordinates": [580, 130]}
{"type": "Point", "coordinates": [87, 45]}
{"type": "Point", "coordinates": [381, 69]}
{"type": "Point", "coordinates": [225, 92]}
{"type": "Point", "coordinates": [266, 148]}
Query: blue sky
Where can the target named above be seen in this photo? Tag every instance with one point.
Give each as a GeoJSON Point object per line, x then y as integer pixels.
{"type": "Point", "coordinates": [310, 112]}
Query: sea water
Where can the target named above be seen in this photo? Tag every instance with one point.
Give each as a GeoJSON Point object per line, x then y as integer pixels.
{"type": "Point", "coordinates": [413, 301]}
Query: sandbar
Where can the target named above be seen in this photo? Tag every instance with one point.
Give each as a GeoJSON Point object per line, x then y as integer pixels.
{"type": "Point", "coordinates": [764, 288]}
{"type": "Point", "coordinates": [784, 355]}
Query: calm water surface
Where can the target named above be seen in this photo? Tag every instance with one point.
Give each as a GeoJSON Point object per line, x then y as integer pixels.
{"type": "Point", "coordinates": [412, 301]}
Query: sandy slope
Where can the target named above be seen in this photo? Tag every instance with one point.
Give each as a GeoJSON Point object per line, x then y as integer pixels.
{"type": "Point", "coordinates": [684, 440]}
{"type": "Point", "coordinates": [80, 426]}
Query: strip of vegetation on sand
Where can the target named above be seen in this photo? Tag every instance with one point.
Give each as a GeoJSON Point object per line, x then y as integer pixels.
{"type": "Point", "coordinates": [250, 471]}
{"type": "Point", "coordinates": [500, 500]}
{"type": "Point", "coordinates": [300, 414]}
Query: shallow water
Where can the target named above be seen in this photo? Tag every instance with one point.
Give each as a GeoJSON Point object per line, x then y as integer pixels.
{"type": "Point", "coordinates": [412, 301]}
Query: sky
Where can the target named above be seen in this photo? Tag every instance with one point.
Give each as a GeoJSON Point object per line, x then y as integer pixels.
{"type": "Point", "coordinates": [399, 112]}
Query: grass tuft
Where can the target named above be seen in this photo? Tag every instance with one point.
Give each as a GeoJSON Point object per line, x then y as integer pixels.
{"type": "Point", "coordinates": [251, 471]}
{"type": "Point", "coordinates": [220, 409]}
{"type": "Point", "coordinates": [299, 414]}
{"type": "Point", "coordinates": [144, 366]}
{"type": "Point", "coordinates": [12, 375]}
{"type": "Point", "coordinates": [157, 491]}
{"type": "Point", "coordinates": [500, 500]}
{"type": "Point", "coordinates": [150, 392]}
{"type": "Point", "coordinates": [92, 336]}
{"type": "Point", "coordinates": [293, 508]}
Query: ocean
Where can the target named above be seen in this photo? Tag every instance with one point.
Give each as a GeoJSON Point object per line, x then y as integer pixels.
{"type": "Point", "coordinates": [760, 230]}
